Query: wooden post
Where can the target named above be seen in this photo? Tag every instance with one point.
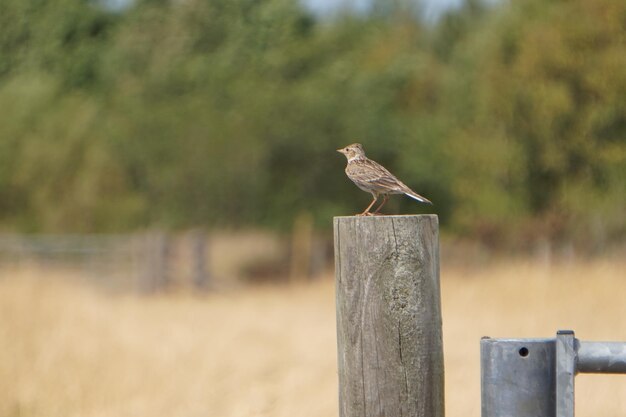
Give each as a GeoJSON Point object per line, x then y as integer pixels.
{"type": "Point", "coordinates": [301, 247]}
{"type": "Point", "coordinates": [390, 351]}
{"type": "Point", "coordinates": [200, 276]}
{"type": "Point", "coordinates": [156, 262]}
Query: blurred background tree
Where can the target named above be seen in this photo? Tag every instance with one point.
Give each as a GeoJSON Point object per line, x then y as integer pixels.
{"type": "Point", "coordinates": [511, 117]}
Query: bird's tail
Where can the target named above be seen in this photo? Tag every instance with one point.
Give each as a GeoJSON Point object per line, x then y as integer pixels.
{"type": "Point", "coordinates": [417, 197]}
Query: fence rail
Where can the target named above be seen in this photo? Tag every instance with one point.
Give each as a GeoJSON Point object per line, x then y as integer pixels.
{"type": "Point", "coordinates": [143, 262]}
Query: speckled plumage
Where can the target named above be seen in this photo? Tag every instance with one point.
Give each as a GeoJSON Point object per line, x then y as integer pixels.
{"type": "Point", "coordinates": [372, 177]}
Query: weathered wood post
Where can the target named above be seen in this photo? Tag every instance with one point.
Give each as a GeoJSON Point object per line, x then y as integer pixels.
{"type": "Point", "coordinates": [390, 351]}
{"type": "Point", "coordinates": [301, 247]}
{"type": "Point", "coordinates": [156, 253]}
{"type": "Point", "coordinates": [200, 276]}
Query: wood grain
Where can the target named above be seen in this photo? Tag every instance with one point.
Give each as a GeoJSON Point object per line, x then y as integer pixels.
{"type": "Point", "coordinates": [389, 337]}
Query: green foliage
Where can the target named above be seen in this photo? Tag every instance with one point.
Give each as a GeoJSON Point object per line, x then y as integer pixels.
{"type": "Point", "coordinates": [545, 88]}
{"type": "Point", "coordinates": [511, 118]}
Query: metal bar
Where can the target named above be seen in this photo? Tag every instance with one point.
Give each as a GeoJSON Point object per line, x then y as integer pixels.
{"type": "Point", "coordinates": [565, 373]}
{"type": "Point", "coordinates": [602, 357]}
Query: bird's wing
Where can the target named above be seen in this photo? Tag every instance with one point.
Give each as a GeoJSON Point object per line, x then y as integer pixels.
{"type": "Point", "coordinates": [375, 175]}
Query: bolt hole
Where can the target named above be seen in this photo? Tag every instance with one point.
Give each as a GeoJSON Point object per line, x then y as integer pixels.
{"type": "Point", "coordinates": [523, 352]}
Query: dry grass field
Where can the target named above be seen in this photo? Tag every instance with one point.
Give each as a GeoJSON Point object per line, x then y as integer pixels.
{"type": "Point", "coordinates": [67, 349]}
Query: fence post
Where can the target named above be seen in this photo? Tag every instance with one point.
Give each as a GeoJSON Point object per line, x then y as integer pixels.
{"type": "Point", "coordinates": [200, 275]}
{"type": "Point", "coordinates": [389, 337]}
{"type": "Point", "coordinates": [156, 262]}
{"type": "Point", "coordinates": [301, 247]}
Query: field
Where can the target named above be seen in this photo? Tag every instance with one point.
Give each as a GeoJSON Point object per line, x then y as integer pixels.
{"type": "Point", "coordinates": [68, 349]}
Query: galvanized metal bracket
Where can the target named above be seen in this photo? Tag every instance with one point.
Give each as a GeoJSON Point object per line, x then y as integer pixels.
{"type": "Point", "coordinates": [535, 377]}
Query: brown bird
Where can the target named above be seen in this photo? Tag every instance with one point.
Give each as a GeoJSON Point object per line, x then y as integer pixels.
{"type": "Point", "coordinates": [372, 177]}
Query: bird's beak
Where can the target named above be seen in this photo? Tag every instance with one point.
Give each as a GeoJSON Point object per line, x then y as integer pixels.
{"type": "Point", "coordinates": [341, 151]}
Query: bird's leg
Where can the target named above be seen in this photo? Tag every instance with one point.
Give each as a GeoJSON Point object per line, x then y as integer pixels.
{"type": "Point", "coordinates": [366, 211]}
{"type": "Point", "coordinates": [385, 197]}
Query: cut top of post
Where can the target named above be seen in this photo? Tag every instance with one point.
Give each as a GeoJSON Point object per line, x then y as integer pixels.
{"type": "Point", "coordinates": [383, 217]}
{"type": "Point", "coordinates": [423, 227]}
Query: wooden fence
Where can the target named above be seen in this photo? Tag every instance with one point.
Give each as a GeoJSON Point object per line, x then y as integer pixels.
{"type": "Point", "coordinates": [155, 261]}
{"type": "Point", "coordinates": [146, 262]}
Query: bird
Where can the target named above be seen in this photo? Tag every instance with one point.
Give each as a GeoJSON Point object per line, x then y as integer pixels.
{"type": "Point", "coordinates": [374, 178]}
